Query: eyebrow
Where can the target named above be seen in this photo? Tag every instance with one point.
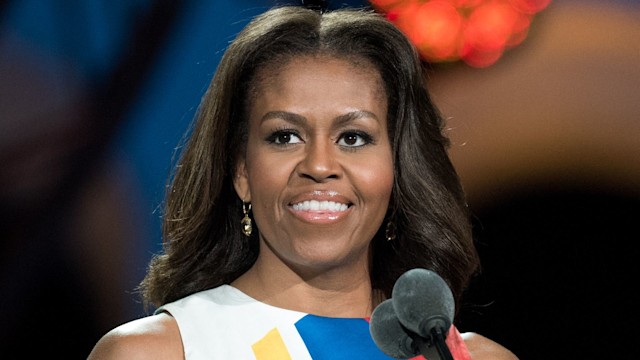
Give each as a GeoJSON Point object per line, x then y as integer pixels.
{"type": "Point", "coordinates": [301, 120]}
{"type": "Point", "coordinates": [284, 115]}
{"type": "Point", "coordinates": [353, 115]}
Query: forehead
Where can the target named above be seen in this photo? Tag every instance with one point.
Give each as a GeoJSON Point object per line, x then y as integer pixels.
{"type": "Point", "coordinates": [314, 68]}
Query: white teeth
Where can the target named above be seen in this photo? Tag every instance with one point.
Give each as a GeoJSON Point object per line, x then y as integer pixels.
{"type": "Point", "coordinates": [315, 205]}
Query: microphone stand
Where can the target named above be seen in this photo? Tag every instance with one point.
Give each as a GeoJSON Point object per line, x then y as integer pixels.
{"type": "Point", "coordinates": [437, 340]}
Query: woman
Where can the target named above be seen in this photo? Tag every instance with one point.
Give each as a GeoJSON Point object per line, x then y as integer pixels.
{"type": "Point", "coordinates": [316, 174]}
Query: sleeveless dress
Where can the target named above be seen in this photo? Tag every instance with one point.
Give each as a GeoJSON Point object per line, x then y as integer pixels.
{"type": "Point", "coordinates": [224, 323]}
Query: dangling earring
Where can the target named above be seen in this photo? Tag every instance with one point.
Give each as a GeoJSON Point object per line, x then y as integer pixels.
{"type": "Point", "coordinates": [390, 231]}
{"type": "Point", "coordinates": [247, 228]}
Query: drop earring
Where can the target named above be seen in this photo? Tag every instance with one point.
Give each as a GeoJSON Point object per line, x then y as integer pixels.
{"type": "Point", "coordinates": [247, 228]}
{"type": "Point", "coordinates": [390, 231]}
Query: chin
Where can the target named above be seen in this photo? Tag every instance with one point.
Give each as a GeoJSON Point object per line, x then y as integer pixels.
{"type": "Point", "coordinates": [323, 260]}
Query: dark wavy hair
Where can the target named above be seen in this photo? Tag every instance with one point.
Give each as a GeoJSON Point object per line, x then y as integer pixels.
{"type": "Point", "coordinates": [203, 243]}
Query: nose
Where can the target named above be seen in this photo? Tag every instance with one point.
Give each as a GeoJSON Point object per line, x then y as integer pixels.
{"type": "Point", "coordinates": [320, 162]}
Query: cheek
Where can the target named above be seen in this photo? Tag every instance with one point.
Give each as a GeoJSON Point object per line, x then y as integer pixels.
{"type": "Point", "coordinates": [377, 181]}
{"type": "Point", "coordinates": [263, 184]}
{"type": "Point", "coordinates": [267, 179]}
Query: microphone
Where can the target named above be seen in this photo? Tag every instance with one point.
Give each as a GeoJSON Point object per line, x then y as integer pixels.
{"type": "Point", "coordinates": [423, 300]}
{"type": "Point", "coordinates": [389, 334]}
{"type": "Point", "coordinates": [417, 317]}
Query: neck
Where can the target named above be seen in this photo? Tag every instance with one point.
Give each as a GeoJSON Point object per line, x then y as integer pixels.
{"type": "Point", "coordinates": [335, 292]}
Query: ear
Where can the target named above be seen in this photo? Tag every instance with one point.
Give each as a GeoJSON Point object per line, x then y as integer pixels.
{"type": "Point", "coordinates": [241, 180]}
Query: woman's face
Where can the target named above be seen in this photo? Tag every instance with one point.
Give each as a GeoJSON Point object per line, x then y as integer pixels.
{"type": "Point", "coordinates": [318, 169]}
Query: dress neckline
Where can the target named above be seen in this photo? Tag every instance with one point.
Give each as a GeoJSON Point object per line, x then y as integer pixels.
{"type": "Point", "coordinates": [240, 295]}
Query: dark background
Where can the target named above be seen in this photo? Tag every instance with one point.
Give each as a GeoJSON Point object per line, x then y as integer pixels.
{"type": "Point", "coordinates": [95, 96]}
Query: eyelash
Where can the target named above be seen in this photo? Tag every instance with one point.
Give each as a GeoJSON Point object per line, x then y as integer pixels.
{"type": "Point", "coordinates": [276, 135]}
{"type": "Point", "coordinates": [365, 137]}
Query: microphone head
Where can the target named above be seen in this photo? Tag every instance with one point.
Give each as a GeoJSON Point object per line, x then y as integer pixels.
{"type": "Point", "coordinates": [422, 301]}
{"type": "Point", "coordinates": [388, 334]}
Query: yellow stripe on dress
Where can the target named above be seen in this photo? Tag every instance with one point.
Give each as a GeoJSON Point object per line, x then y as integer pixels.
{"type": "Point", "coordinates": [271, 347]}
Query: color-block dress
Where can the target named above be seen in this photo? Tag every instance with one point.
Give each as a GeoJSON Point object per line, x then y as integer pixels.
{"type": "Point", "coordinates": [225, 323]}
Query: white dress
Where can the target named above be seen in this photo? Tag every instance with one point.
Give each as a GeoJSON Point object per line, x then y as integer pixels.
{"type": "Point", "coordinates": [225, 324]}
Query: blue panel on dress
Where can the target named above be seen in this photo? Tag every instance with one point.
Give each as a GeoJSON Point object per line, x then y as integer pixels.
{"type": "Point", "coordinates": [338, 338]}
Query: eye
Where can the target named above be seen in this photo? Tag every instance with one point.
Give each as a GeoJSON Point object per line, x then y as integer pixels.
{"type": "Point", "coordinates": [284, 137]}
{"type": "Point", "coordinates": [354, 139]}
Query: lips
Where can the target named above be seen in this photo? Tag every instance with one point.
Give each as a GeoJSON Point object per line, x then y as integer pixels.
{"type": "Point", "coordinates": [320, 200]}
{"type": "Point", "coordinates": [320, 206]}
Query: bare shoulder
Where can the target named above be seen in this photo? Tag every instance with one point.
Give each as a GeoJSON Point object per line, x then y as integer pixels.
{"type": "Point", "coordinates": [152, 337]}
{"type": "Point", "coordinates": [482, 348]}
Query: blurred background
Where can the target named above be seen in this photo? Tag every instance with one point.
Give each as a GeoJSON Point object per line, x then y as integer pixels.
{"type": "Point", "coordinates": [544, 118]}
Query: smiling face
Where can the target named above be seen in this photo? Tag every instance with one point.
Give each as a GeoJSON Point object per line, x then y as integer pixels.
{"type": "Point", "coordinates": [318, 169]}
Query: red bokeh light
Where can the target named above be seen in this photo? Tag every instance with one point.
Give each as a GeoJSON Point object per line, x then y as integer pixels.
{"type": "Point", "coordinates": [474, 31]}
{"type": "Point", "coordinates": [437, 27]}
{"type": "Point", "coordinates": [490, 26]}
{"type": "Point", "coordinates": [530, 6]}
